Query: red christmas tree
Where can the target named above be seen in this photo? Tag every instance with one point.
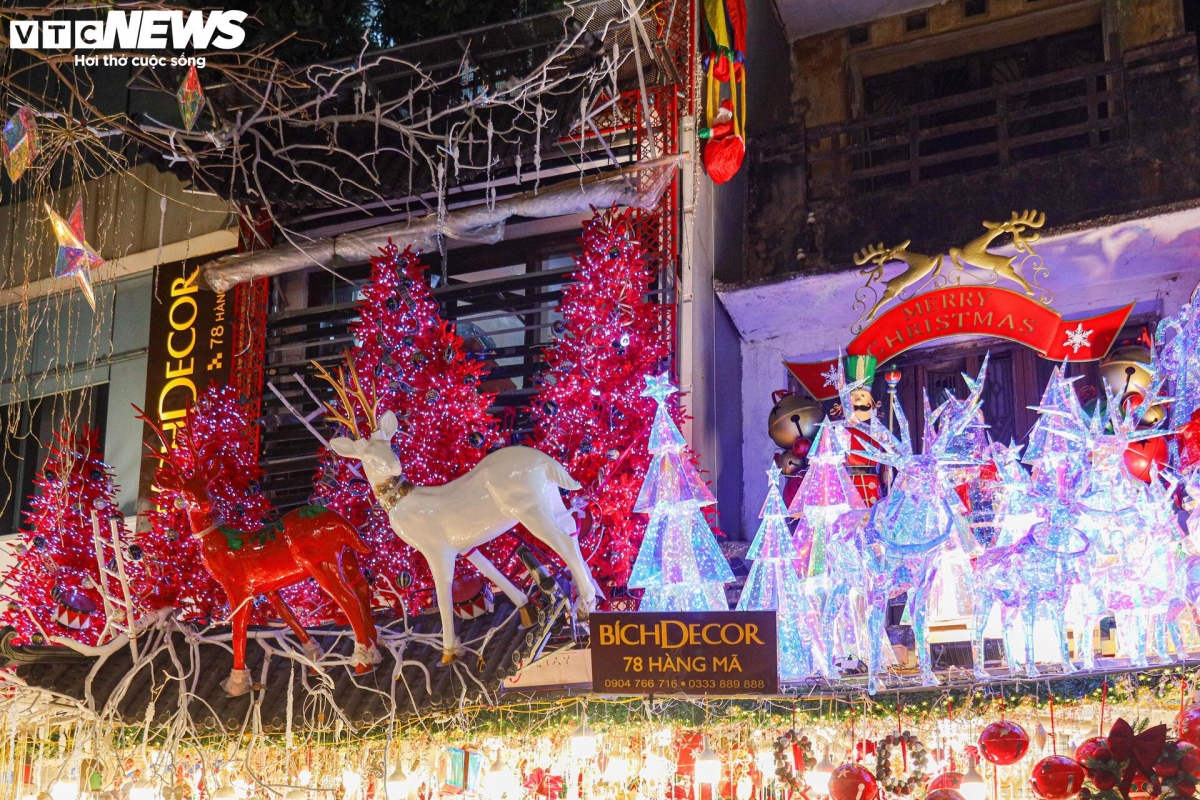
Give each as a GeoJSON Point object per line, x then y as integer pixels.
{"type": "Point", "coordinates": [219, 429]}
{"type": "Point", "coordinates": [411, 362]}
{"type": "Point", "coordinates": [54, 589]}
{"type": "Point", "coordinates": [590, 413]}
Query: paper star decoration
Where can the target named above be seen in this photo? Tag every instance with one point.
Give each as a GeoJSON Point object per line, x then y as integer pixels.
{"type": "Point", "coordinates": [659, 387]}
{"type": "Point", "coordinates": [1078, 338]}
{"type": "Point", "coordinates": [75, 256]}
{"type": "Point", "coordinates": [191, 98]}
{"type": "Point", "coordinates": [20, 142]}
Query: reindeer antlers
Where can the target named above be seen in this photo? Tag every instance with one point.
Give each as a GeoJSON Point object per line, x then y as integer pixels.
{"type": "Point", "coordinates": [345, 392]}
{"type": "Point", "coordinates": [168, 451]}
{"type": "Point", "coordinates": [876, 253]}
{"type": "Point", "coordinates": [1028, 219]}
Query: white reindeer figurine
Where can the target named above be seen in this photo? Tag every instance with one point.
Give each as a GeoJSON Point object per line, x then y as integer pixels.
{"type": "Point", "coordinates": [511, 485]}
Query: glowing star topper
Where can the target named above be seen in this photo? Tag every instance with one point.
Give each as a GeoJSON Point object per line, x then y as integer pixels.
{"type": "Point", "coordinates": [75, 256]}
{"type": "Point", "coordinates": [659, 387]}
{"type": "Point", "coordinates": [191, 98]}
{"type": "Point", "coordinates": [20, 142]}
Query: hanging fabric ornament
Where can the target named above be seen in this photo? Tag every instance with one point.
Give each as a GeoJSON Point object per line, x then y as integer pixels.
{"type": "Point", "coordinates": [724, 63]}
{"type": "Point", "coordinates": [75, 256]}
{"type": "Point", "coordinates": [20, 142]}
{"type": "Point", "coordinates": [191, 98]}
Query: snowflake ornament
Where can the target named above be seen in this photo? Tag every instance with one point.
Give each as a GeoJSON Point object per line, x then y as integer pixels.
{"type": "Point", "coordinates": [1078, 338]}
{"type": "Point", "coordinates": [832, 376]}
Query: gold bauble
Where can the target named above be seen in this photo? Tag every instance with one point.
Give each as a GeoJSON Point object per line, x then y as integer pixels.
{"type": "Point", "coordinates": [1126, 371]}
{"type": "Point", "coordinates": [792, 417]}
{"type": "Point", "coordinates": [790, 463]}
{"type": "Point", "coordinates": [1127, 368]}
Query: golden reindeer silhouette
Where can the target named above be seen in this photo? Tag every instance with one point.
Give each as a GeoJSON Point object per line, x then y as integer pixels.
{"type": "Point", "coordinates": [919, 268]}
{"type": "Point", "coordinates": [976, 251]}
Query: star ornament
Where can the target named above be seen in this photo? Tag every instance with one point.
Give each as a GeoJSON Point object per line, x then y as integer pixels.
{"type": "Point", "coordinates": [20, 142]}
{"type": "Point", "coordinates": [191, 98]}
{"type": "Point", "coordinates": [75, 256]}
{"type": "Point", "coordinates": [774, 474]}
{"type": "Point", "coordinates": [659, 387]}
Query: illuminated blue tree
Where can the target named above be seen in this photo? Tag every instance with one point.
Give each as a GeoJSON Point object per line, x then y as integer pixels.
{"type": "Point", "coordinates": [679, 564]}
{"type": "Point", "coordinates": [774, 585]}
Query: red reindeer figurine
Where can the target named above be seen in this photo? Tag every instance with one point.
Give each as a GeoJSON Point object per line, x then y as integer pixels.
{"type": "Point", "coordinates": [308, 542]}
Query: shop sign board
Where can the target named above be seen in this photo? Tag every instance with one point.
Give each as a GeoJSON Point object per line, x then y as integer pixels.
{"type": "Point", "coordinates": [190, 348]}
{"type": "Point", "coordinates": [699, 653]}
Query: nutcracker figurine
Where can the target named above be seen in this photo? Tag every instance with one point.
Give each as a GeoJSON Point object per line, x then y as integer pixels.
{"type": "Point", "coordinates": [863, 472]}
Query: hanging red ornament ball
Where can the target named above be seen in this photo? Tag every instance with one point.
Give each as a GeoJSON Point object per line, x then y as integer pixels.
{"type": "Point", "coordinates": [1056, 778]}
{"type": "Point", "coordinates": [1095, 747]}
{"type": "Point", "coordinates": [801, 446]}
{"type": "Point", "coordinates": [1003, 743]}
{"type": "Point", "coordinates": [1141, 456]}
{"type": "Point", "coordinates": [1188, 440]}
{"type": "Point", "coordinates": [853, 782]}
{"type": "Point", "coordinates": [1189, 725]}
{"type": "Point", "coordinates": [944, 794]}
{"type": "Point", "coordinates": [945, 780]}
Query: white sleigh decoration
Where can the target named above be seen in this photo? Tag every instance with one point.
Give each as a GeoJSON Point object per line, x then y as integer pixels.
{"type": "Point", "coordinates": [509, 486]}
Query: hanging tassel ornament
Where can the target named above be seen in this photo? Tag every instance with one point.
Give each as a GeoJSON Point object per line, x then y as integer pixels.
{"type": "Point", "coordinates": [724, 63]}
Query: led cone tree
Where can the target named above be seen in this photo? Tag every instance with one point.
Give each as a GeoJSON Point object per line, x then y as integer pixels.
{"type": "Point", "coordinates": [411, 362]}
{"type": "Point", "coordinates": [54, 588]}
{"type": "Point", "coordinates": [773, 584]}
{"type": "Point", "coordinates": [590, 413]}
{"type": "Point", "coordinates": [679, 564]}
{"type": "Point", "coordinates": [825, 494]}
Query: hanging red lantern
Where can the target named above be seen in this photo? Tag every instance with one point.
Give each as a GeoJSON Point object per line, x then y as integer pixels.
{"type": "Point", "coordinates": [944, 794]}
{"type": "Point", "coordinates": [1057, 778]}
{"type": "Point", "coordinates": [853, 782]}
{"type": "Point", "coordinates": [1003, 743]}
{"type": "Point", "coordinates": [1189, 725]}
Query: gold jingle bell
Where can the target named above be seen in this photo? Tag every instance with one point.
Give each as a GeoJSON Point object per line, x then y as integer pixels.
{"type": "Point", "coordinates": [789, 463]}
{"type": "Point", "coordinates": [1126, 371]}
{"type": "Point", "coordinates": [794, 416]}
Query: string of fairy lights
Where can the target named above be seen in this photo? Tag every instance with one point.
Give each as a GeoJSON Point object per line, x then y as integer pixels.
{"type": "Point", "coordinates": [576, 746]}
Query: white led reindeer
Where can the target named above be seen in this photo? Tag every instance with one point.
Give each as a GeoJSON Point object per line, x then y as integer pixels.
{"type": "Point", "coordinates": [509, 486]}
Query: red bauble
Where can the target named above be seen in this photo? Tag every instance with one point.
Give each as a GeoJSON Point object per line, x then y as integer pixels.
{"type": "Point", "coordinates": [946, 780]}
{"type": "Point", "coordinates": [1003, 743]}
{"type": "Point", "coordinates": [1105, 780]}
{"type": "Point", "coordinates": [1057, 778]}
{"type": "Point", "coordinates": [1189, 725]}
{"type": "Point", "coordinates": [1188, 440]}
{"type": "Point", "coordinates": [853, 782]}
{"type": "Point", "coordinates": [944, 794]}
{"type": "Point", "coordinates": [801, 446]}
{"type": "Point", "coordinates": [1095, 747]}
{"type": "Point", "coordinates": [1189, 756]}
{"type": "Point", "coordinates": [1141, 456]}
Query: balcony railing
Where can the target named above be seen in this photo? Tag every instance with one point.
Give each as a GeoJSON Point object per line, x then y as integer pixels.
{"type": "Point", "coordinates": [1066, 110]}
